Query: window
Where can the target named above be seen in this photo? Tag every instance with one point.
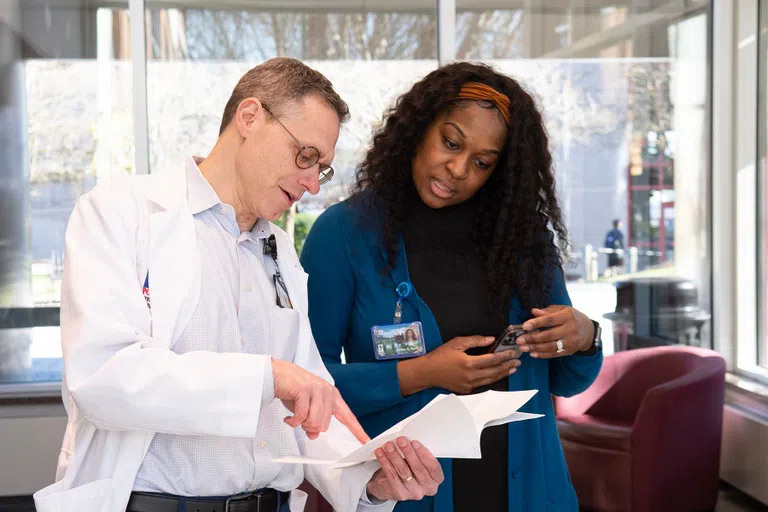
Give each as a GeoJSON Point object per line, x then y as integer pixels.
{"type": "Point", "coordinates": [67, 124]}
{"type": "Point", "coordinates": [749, 165]}
{"type": "Point", "coordinates": [370, 56]}
{"type": "Point", "coordinates": [625, 102]}
{"type": "Point", "coordinates": [624, 95]}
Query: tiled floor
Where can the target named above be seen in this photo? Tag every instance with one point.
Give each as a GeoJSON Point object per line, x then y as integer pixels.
{"type": "Point", "coordinates": [731, 500]}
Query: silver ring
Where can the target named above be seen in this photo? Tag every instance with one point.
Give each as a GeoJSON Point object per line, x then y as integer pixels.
{"type": "Point", "coordinates": [560, 348]}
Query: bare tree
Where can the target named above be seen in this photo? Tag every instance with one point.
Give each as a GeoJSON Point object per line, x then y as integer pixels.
{"type": "Point", "coordinates": [493, 34]}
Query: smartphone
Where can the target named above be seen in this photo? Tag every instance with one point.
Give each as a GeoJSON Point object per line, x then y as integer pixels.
{"type": "Point", "coordinates": [507, 340]}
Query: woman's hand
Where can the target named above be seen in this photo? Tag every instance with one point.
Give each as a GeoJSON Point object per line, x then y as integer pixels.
{"type": "Point", "coordinates": [415, 474]}
{"type": "Point", "coordinates": [449, 367]}
{"type": "Point", "coordinates": [566, 324]}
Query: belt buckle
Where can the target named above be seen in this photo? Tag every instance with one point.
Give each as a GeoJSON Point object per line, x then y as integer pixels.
{"type": "Point", "coordinates": [237, 499]}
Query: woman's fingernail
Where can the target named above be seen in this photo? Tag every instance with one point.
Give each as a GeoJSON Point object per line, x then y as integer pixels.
{"type": "Point", "coordinates": [534, 354]}
{"type": "Point", "coordinates": [522, 340]}
{"type": "Point", "coordinates": [525, 348]}
{"type": "Point", "coordinates": [512, 370]}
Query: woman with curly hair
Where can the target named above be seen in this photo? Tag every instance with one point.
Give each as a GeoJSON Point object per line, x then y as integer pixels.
{"type": "Point", "coordinates": [455, 223]}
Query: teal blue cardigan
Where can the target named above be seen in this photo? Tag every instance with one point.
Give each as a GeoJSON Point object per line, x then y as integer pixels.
{"type": "Point", "coordinates": [348, 294]}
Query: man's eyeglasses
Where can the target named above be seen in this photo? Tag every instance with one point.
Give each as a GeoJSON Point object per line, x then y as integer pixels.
{"type": "Point", "coordinates": [307, 156]}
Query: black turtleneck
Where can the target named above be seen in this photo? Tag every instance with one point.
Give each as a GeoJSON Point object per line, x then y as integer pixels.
{"type": "Point", "coordinates": [447, 272]}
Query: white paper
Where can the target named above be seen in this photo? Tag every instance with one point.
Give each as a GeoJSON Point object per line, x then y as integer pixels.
{"type": "Point", "coordinates": [449, 427]}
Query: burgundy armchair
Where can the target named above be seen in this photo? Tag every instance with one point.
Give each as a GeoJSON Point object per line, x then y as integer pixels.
{"type": "Point", "coordinates": [646, 435]}
{"type": "Point", "coordinates": [315, 500]}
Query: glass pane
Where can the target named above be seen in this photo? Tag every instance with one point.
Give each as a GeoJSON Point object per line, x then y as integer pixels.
{"type": "Point", "coordinates": [66, 124]}
{"type": "Point", "coordinates": [492, 30]}
{"type": "Point", "coordinates": [371, 56]}
{"type": "Point", "coordinates": [623, 114]}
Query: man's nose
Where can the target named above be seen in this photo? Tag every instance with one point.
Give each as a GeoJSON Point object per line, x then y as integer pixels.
{"type": "Point", "coordinates": [310, 180]}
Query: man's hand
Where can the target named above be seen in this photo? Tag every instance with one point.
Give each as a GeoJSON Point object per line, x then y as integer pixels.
{"type": "Point", "coordinates": [410, 478]}
{"type": "Point", "coordinates": [312, 401]}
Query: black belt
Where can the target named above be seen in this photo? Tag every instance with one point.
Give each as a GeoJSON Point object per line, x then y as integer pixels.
{"type": "Point", "coordinates": [264, 500]}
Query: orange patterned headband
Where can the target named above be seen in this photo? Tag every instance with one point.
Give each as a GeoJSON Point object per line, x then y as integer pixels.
{"type": "Point", "coordinates": [482, 92]}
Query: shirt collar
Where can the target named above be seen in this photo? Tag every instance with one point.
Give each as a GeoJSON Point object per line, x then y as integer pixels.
{"type": "Point", "coordinates": [200, 193]}
{"type": "Point", "coordinates": [202, 197]}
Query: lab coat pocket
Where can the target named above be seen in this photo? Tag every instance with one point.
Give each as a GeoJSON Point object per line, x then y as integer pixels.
{"type": "Point", "coordinates": [298, 500]}
{"type": "Point", "coordinates": [96, 495]}
{"type": "Point", "coordinates": [301, 291]}
{"type": "Point", "coordinates": [285, 333]}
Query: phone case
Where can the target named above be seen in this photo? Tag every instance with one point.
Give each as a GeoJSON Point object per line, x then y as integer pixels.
{"type": "Point", "coordinates": [507, 340]}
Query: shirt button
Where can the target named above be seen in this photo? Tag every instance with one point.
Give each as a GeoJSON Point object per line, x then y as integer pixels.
{"type": "Point", "coordinates": [249, 287]}
{"type": "Point", "coordinates": [263, 444]}
{"type": "Point", "coordinates": [245, 340]}
{"type": "Point", "coordinates": [516, 474]}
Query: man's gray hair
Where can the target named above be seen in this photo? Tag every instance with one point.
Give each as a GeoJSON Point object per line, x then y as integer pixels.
{"type": "Point", "coordinates": [279, 81]}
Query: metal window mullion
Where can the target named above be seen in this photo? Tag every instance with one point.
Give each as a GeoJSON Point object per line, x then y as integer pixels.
{"type": "Point", "coordinates": [723, 190]}
{"type": "Point", "coordinates": [136, 9]}
{"type": "Point", "coordinates": [446, 31]}
{"type": "Point", "coordinates": [761, 154]}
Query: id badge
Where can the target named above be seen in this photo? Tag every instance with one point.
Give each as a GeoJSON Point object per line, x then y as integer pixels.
{"type": "Point", "coordinates": [397, 341]}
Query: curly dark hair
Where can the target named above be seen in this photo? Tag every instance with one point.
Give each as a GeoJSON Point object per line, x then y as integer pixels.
{"type": "Point", "coordinates": [520, 230]}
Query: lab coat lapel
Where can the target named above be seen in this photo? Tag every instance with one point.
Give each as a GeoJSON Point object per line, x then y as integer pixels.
{"type": "Point", "coordinates": [174, 261]}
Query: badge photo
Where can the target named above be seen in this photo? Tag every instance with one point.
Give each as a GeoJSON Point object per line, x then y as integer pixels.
{"type": "Point", "coordinates": [398, 341]}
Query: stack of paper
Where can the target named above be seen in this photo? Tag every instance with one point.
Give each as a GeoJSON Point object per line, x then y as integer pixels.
{"type": "Point", "coordinates": [449, 427]}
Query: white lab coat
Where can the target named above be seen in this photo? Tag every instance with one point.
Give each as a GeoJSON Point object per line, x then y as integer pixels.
{"type": "Point", "coordinates": [123, 383]}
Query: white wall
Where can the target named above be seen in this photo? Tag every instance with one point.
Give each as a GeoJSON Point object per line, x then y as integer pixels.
{"type": "Point", "coordinates": [29, 447]}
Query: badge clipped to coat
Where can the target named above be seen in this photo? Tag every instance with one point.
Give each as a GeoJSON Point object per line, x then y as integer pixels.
{"type": "Point", "coordinates": [398, 340]}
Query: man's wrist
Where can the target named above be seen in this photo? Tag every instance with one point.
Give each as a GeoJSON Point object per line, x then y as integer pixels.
{"type": "Point", "coordinates": [369, 495]}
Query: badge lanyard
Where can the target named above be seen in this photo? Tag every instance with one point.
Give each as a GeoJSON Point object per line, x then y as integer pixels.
{"type": "Point", "coordinates": [398, 340]}
{"type": "Point", "coordinates": [404, 290]}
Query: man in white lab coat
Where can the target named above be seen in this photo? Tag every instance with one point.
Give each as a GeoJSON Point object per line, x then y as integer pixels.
{"type": "Point", "coordinates": [189, 360]}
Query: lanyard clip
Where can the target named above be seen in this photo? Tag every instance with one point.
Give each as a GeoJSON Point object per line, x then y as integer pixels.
{"type": "Point", "coordinates": [270, 247]}
{"type": "Point", "coordinates": [404, 290]}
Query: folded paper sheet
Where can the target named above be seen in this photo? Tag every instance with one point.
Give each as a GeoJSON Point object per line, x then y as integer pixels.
{"type": "Point", "coordinates": [449, 427]}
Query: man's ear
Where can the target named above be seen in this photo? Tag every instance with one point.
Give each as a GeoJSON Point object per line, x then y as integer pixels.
{"type": "Point", "coordinates": [249, 116]}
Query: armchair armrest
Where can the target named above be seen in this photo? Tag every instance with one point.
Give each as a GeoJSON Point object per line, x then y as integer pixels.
{"type": "Point", "coordinates": [610, 373]}
{"type": "Point", "coordinates": [678, 430]}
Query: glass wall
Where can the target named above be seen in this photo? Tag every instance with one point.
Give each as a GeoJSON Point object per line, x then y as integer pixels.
{"type": "Point", "coordinates": [66, 123]}
{"type": "Point", "coordinates": [624, 92]}
{"type": "Point", "coordinates": [623, 89]}
{"type": "Point", "coordinates": [371, 56]}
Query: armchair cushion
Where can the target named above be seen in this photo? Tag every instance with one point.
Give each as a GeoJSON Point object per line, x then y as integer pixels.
{"type": "Point", "coordinates": [598, 432]}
